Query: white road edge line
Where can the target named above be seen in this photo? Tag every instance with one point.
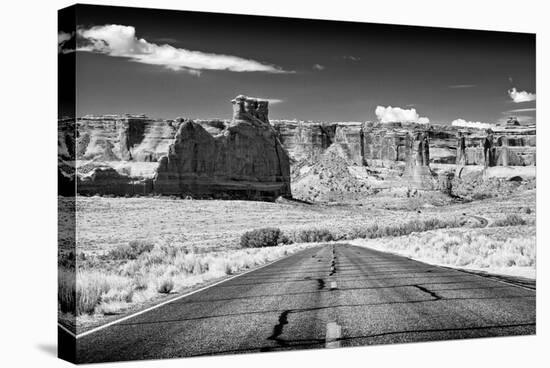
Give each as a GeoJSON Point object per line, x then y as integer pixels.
{"type": "Point", "coordinates": [491, 279]}
{"type": "Point", "coordinates": [102, 327]}
{"type": "Point", "coordinates": [66, 330]}
{"type": "Point", "coordinates": [334, 332]}
{"type": "Point", "coordinates": [449, 268]}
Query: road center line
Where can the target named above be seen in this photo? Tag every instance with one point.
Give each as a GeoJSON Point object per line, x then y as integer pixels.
{"type": "Point", "coordinates": [334, 332]}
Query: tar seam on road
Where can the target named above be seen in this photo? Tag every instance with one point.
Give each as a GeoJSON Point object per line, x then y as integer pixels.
{"type": "Point", "coordinates": [321, 283]}
{"type": "Point", "coordinates": [99, 328]}
{"type": "Point", "coordinates": [433, 294]}
{"type": "Point", "coordinates": [278, 329]}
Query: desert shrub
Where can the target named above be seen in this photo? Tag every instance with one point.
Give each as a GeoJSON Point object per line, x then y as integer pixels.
{"type": "Point", "coordinates": [66, 291]}
{"type": "Point", "coordinates": [375, 231]}
{"type": "Point", "coordinates": [499, 248]}
{"type": "Point", "coordinates": [314, 236]}
{"type": "Point", "coordinates": [266, 237]}
{"type": "Point", "coordinates": [510, 220]}
{"type": "Point", "coordinates": [162, 270]}
{"type": "Point", "coordinates": [68, 259]}
{"type": "Point", "coordinates": [132, 250]}
{"type": "Point", "coordinates": [481, 196]}
{"type": "Point", "coordinates": [286, 240]}
{"type": "Point", "coordinates": [165, 285]}
{"type": "Point", "coordinates": [93, 287]}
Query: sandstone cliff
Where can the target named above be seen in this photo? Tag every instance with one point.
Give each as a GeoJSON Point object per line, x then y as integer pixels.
{"type": "Point", "coordinates": [244, 160]}
{"type": "Point", "coordinates": [418, 174]}
{"type": "Point", "coordinates": [249, 156]}
{"type": "Point", "coordinates": [123, 138]}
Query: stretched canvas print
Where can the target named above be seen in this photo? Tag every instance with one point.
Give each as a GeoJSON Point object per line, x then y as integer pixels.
{"type": "Point", "coordinates": [237, 184]}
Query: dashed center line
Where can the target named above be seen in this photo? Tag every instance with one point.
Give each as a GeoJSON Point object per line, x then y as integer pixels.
{"type": "Point", "coordinates": [334, 332]}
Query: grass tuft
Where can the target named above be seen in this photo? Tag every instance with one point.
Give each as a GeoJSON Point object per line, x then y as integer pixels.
{"type": "Point", "coordinates": [165, 286]}
{"type": "Point", "coordinates": [266, 237]}
{"type": "Point", "coordinates": [132, 250]}
{"type": "Point", "coordinates": [510, 220]}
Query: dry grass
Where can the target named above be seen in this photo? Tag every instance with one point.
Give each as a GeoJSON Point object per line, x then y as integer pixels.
{"type": "Point", "coordinates": [510, 220]}
{"type": "Point", "coordinates": [380, 231]}
{"type": "Point", "coordinates": [160, 271]}
{"type": "Point", "coordinates": [105, 223]}
{"type": "Point", "coordinates": [502, 250]}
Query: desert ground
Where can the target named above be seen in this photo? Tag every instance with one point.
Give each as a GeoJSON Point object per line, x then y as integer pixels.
{"type": "Point", "coordinates": [135, 251]}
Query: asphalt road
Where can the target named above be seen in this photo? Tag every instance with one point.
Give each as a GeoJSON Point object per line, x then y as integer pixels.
{"type": "Point", "coordinates": [328, 296]}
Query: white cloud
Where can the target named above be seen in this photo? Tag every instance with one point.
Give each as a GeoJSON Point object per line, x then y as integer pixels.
{"type": "Point", "coordinates": [351, 57]}
{"type": "Point", "coordinates": [462, 86]}
{"type": "Point", "coordinates": [396, 114]}
{"type": "Point", "coordinates": [318, 67]}
{"type": "Point", "coordinates": [522, 96]}
{"type": "Point", "coordinates": [121, 41]}
{"type": "Point", "coordinates": [521, 110]}
{"type": "Point", "coordinates": [271, 101]}
{"type": "Point", "coordinates": [471, 124]}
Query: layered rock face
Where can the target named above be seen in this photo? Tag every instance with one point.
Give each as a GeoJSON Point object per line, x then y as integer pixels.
{"type": "Point", "coordinates": [373, 143]}
{"type": "Point", "coordinates": [510, 146]}
{"type": "Point", "coordinates": [388, 156]}
{"type": "Point", "coordinates": [244, 160]}
{"type": "Point", "coordinates": [66, 167]}
{"type": "Point", "coordinates": [250, 157]}
{"type": "Point", "coordinates": [309, 140]}
{"type": "Point", "coordinates": [117, 155]}
{"type": "Point", "coordinates": [417, 173]}
{"type": "Point", "coordinates": [123, 138]}
{"type": "Point", "coordinates": [106, 180]}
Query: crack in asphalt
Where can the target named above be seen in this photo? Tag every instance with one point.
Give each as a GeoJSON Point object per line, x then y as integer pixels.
{"type": "Point", "coordinates": [306, 343]}
{"type": "Point", "coordinates": [278, 329]}
{"type": "Point", "coordinates": [321, 284]}
{"type": "Point", "coordinates": [432, 293]}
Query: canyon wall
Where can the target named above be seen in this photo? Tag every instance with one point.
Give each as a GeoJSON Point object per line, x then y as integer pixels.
{"type": "Point", "coordinates": [373, 143]}
{"type": "Point", "coordinates": [251, 157]}
{"type": "Point", "coordinates": [240, 158]}
{"type": "Point", "coordinates": [123, 138]}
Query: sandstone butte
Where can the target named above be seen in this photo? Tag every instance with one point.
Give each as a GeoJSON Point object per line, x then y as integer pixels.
{"type": "Point", "coordinates": [238, 159]}
{"type": "Point", "coordinates": [251, 157]}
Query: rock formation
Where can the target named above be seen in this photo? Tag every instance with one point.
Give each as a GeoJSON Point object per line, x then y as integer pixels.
{"type": "Point", "coordinates": [249, 156]}
{"type": "Point", "coordinates": [106, 180]}
{"type": "Point", "coordinates": [134, 138]}
{"type": "Point", "coordinates": [488, 150]}
{"type": "Point", "coordinates": [244, 161]}
{"type": "Point", "coordinates": [66, 147]}
{"type": "Point", "coordinates": [250, 109]}
{"type": "Point", "coordinates": [417, 173]}
{"type": "Point", "coordinates": [461, 150]}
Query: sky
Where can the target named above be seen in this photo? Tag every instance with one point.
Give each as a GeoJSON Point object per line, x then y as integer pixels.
{"type": "Point", "coordinates": [171, 63]}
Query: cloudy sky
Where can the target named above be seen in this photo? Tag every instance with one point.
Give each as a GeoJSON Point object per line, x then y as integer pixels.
{"type": "Point", "coordinates": [168, 64]}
